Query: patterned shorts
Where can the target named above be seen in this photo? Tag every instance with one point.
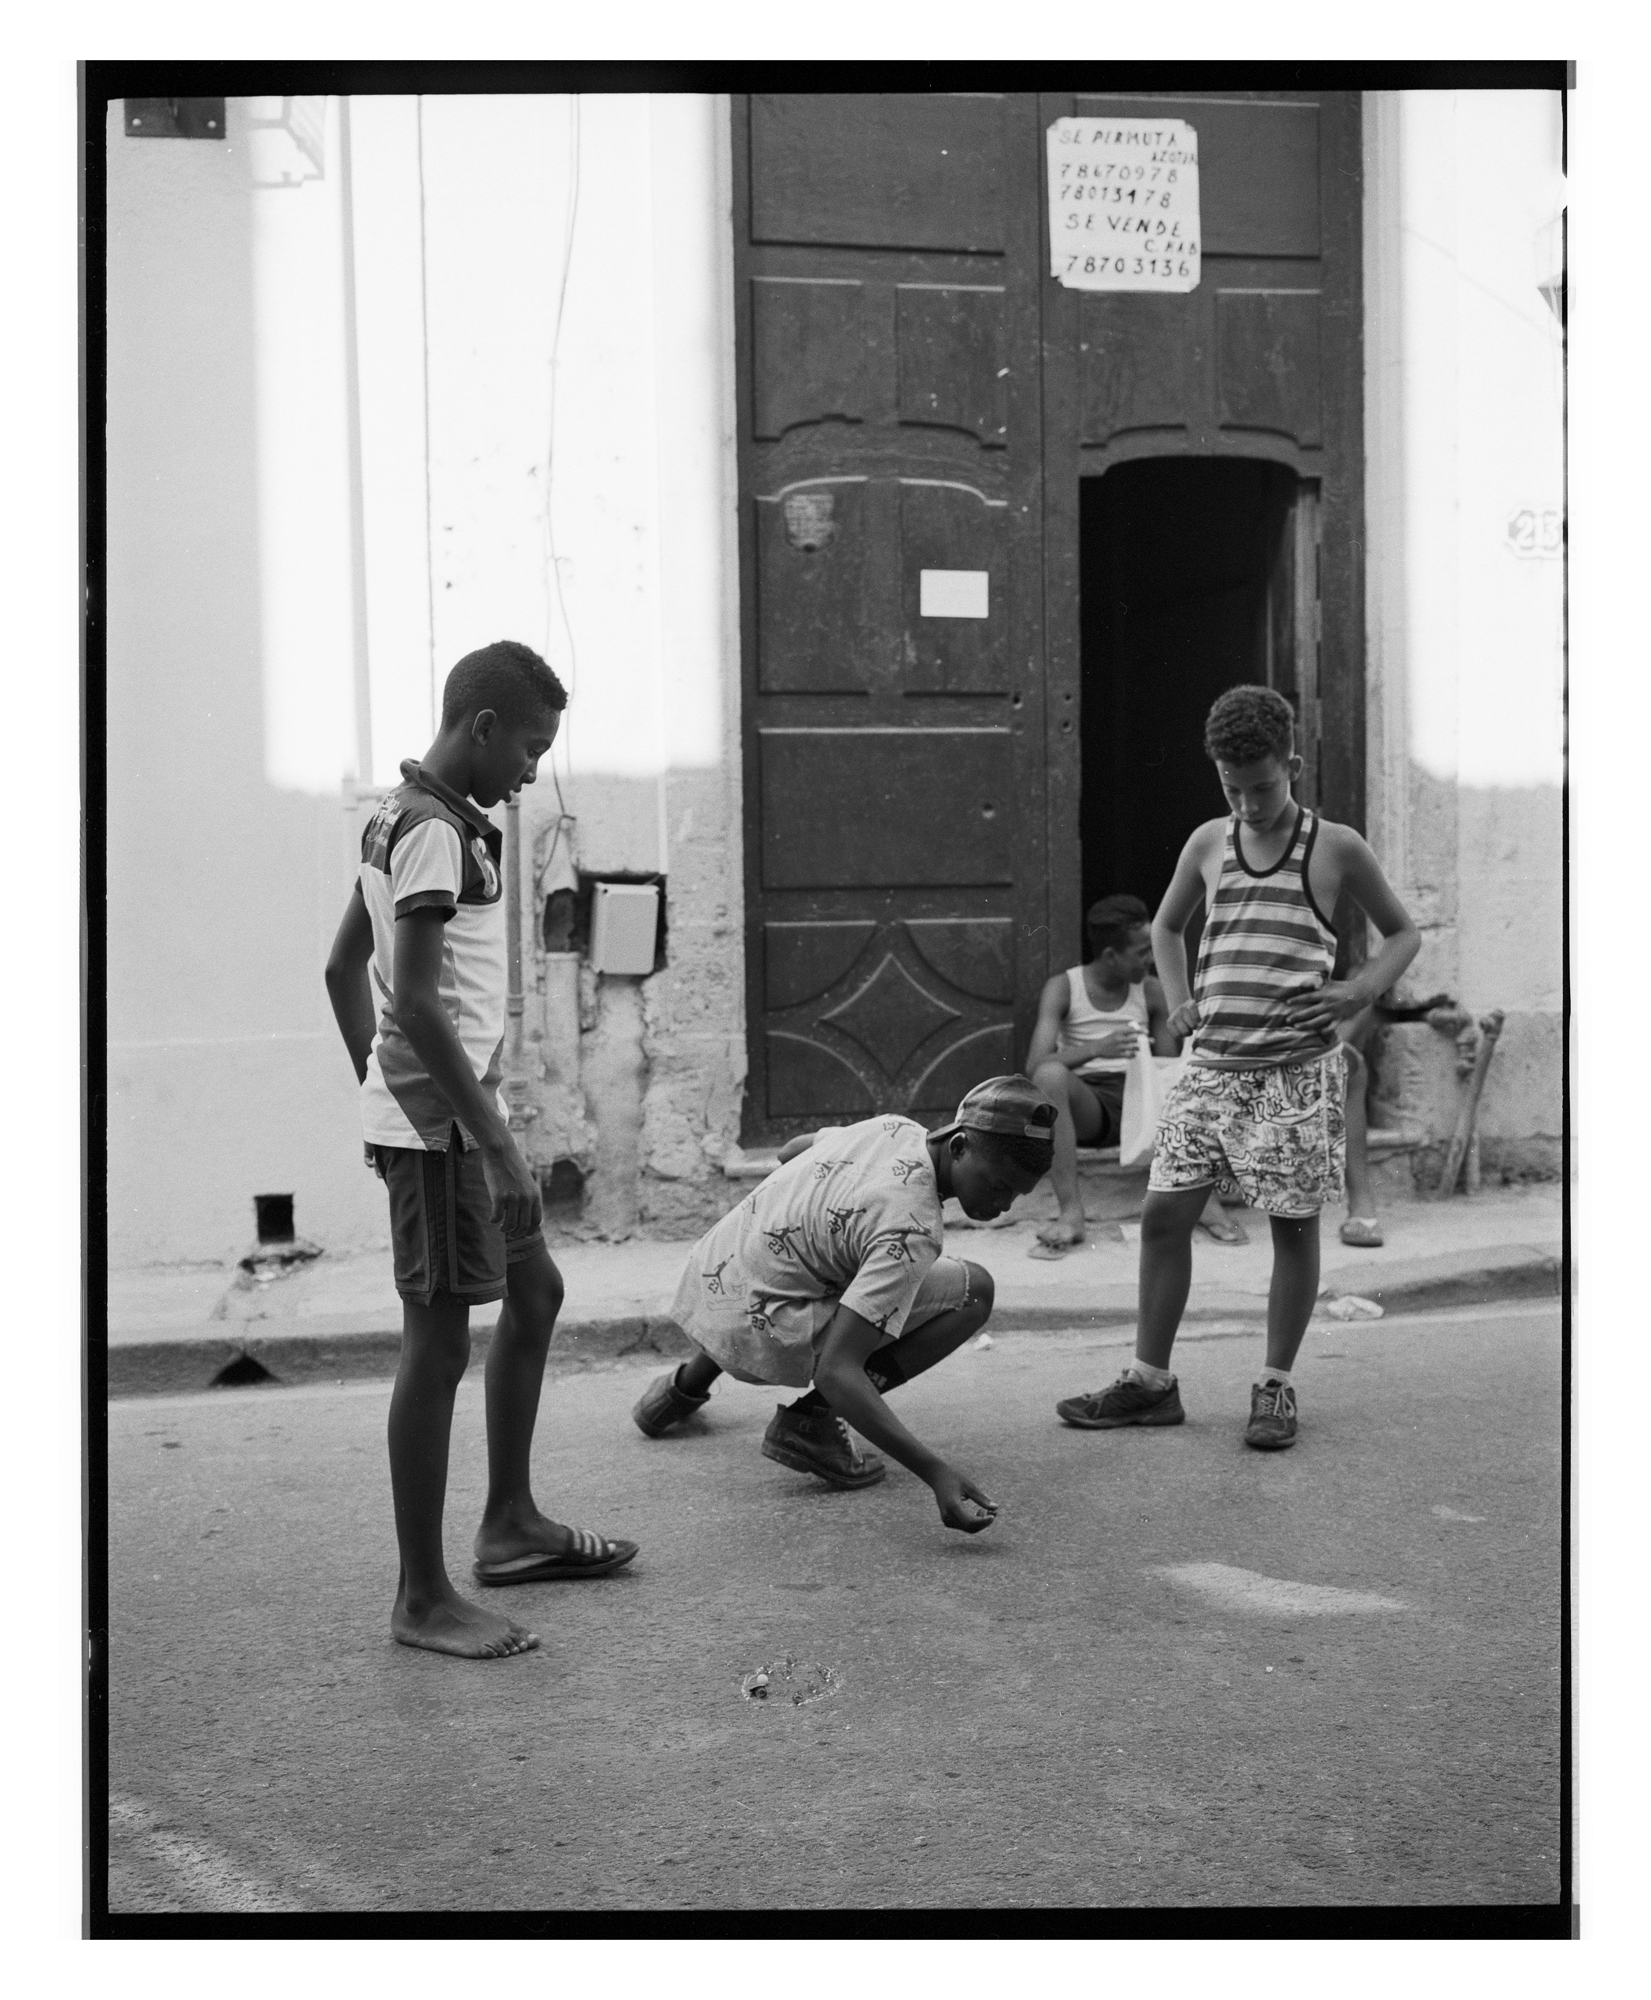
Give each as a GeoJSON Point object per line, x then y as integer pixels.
{"type": "Point", "coordinates": [1275, 1137]}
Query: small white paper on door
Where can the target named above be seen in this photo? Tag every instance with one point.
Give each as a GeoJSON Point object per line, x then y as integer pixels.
{"type": "Point", "coordinates": [1123, 204]}
{"type": "Point", "coordinates": [952, 593]}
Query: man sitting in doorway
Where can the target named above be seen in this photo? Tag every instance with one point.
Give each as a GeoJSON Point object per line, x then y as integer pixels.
{"type": "Point", "coordinates": [1090, 1021]}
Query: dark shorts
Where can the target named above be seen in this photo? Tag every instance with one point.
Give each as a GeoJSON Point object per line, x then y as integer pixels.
{"type": "Point", "coordinates": [442, 1233]}
{"type": "Point", "coordinates": [1108, 1092]}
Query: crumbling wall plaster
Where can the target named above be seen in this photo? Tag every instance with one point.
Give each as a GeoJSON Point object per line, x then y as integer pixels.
{"type": "Point", "coordinates": [694, 1013]}
{"type": "Point", "coordinates": [613, 1071]}
{"type": "Point", "coordinates": [1520, 1120]}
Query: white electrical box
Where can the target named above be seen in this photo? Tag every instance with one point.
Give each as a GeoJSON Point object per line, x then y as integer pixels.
{"type": "Point", "coordinates": [624, 921]}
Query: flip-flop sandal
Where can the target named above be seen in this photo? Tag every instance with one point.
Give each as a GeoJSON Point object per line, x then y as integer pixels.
{"type": "Point", "coordinates": [1363, 1232]}
{"type": "Point", "coordinates": [588, 1555]}
{"type": "Point", "coordinates": [1224, 1231]}
{"type": "Point", "coordinates": [1052, 1253]}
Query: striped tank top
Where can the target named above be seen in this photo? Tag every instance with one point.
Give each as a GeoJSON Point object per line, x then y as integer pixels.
{"type": "Point", "coordinates": [1265, 940]}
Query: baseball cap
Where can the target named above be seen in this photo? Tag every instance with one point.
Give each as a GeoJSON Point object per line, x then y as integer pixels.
{"type": "Point", "coordinates": [1012, 1104]}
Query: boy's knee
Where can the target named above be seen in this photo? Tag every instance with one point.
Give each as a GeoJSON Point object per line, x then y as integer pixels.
{"type": "Point", "coordinates": [1168, 1221]}
{"type": "Point", "coordinates": [537, 1291]}
{"type": "Point", "coordinates": [1051, 1077]}
{"type": "Point", "coordinates": [982, 1291]}
{"type": "Point", "coordinates": [439, 1346]}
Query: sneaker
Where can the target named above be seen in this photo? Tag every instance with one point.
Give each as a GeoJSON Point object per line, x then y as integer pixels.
{"type": "Point", "coordinates": [1272, 1424]}
{"type": "Point", "coordinates": [818, 1441]}
{"type": "Point", "coordinates": [1128, 1401]}
{"type": "Point", "coordinates": [664, 1404]}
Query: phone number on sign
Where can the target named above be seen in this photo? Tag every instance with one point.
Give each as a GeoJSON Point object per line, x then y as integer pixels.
{"type": "Point", "coordinates": [1130, 267]}
{"type": "Point", "coordinates": [1096, 191]}
{"type": "Point", "coordinates": [1083, 171]}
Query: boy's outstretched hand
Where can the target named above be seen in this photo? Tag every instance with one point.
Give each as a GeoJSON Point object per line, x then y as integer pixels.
{"type": "Point", "coordinates": [518, 1208]}
{"type": "Point", "coordinates": [962, 1504]}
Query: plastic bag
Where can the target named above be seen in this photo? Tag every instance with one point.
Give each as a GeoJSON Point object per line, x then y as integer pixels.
{"type": "Point", "coordinates": [1146, 1084]}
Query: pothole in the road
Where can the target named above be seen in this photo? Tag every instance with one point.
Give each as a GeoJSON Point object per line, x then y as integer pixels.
{"type": "Point", "coordinates": [790, 1683]}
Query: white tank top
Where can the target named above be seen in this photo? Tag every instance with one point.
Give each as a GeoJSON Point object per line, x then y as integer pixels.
{"type": "Point", "coordinates": [1085, 1022]}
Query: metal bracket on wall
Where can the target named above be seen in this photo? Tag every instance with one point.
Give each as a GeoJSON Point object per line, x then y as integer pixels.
{"type": "Point", "coordinates": [174, 117]}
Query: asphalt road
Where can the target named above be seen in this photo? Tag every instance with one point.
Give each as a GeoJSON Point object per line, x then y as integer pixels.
{"type": "Point", "coordinates": [1174, 1674]}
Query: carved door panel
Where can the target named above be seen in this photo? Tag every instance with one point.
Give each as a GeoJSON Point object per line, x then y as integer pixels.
{"type": "Point", "coordinates": [887, 295]}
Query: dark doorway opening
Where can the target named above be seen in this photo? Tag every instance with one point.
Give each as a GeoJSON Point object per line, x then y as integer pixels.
{"type": "Point", "coordinates": [1189, 574]}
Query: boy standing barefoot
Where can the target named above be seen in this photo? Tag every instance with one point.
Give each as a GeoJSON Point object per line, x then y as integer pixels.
{"type": "Point", "coordinates": [1259, 1109]}
{"type": "Point", "coordinates": [417, 983]}
{"type": "Point", "coordinates": [831, 1272]}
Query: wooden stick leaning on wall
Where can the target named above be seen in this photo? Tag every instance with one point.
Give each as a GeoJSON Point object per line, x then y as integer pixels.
{"type": "Point", "coordinates": [1490, 1027]}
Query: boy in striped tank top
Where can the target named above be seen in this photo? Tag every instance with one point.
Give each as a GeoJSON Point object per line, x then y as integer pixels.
{"type": "Point", "coordinates": [1259, 1109]}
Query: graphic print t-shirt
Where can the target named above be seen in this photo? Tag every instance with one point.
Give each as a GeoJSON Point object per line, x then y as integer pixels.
{"type": "Point", "coordinates": [426, 847]}
{"type": "Point", "coordinates": [855, 1220]}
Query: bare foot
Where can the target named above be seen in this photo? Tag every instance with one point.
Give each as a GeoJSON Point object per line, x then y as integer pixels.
{"type": "Point", "coordinates": [452, 1624]}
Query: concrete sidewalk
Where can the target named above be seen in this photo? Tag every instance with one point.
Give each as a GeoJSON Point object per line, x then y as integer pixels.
{"type": "Point", "coordinates": [172, 1331]}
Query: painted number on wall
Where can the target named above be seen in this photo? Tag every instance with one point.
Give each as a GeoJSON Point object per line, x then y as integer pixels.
{"type": "Point", "coordinates": [1123, 204]}
{"type": "Point", "coordinates": [1536, 531]}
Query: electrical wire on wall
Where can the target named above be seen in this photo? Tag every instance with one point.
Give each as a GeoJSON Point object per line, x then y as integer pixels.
{"type": "Point", "coordinates": [564, 736]}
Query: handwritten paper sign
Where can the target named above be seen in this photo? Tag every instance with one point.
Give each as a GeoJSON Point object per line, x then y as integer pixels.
{"type": "Point", "coordinates": [1123, 204]}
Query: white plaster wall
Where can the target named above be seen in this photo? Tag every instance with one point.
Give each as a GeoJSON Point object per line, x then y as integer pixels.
{"type": "Point", "coordinates": [506, 245]}
{"type": "Point", "coordinates": [302, 466]}
{"type": "Point", "coordinates": [228, 689]}
{"type": "Point", "coordinates": [566, 243]}
{"type": "Point", "coordinates": [1465, 661]}
{"type": "Point", "coordinates": [572, 374]}
{"type": "Point", "coordinates": [544, 358]}
{"type": "Point", "coordinates": [390, 285]}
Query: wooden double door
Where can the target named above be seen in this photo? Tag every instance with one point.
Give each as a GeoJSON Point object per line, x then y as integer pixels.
{"type": "Point", "coordinates": [920, 404]}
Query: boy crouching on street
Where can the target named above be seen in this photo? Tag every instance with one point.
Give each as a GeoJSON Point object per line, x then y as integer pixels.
{"type": "Point", "coordinates": [831, 1271]}
{"type": "Point", "coordinates": [1259, 1109]}
{"type": "Point", "coordinates": [417, 983]}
